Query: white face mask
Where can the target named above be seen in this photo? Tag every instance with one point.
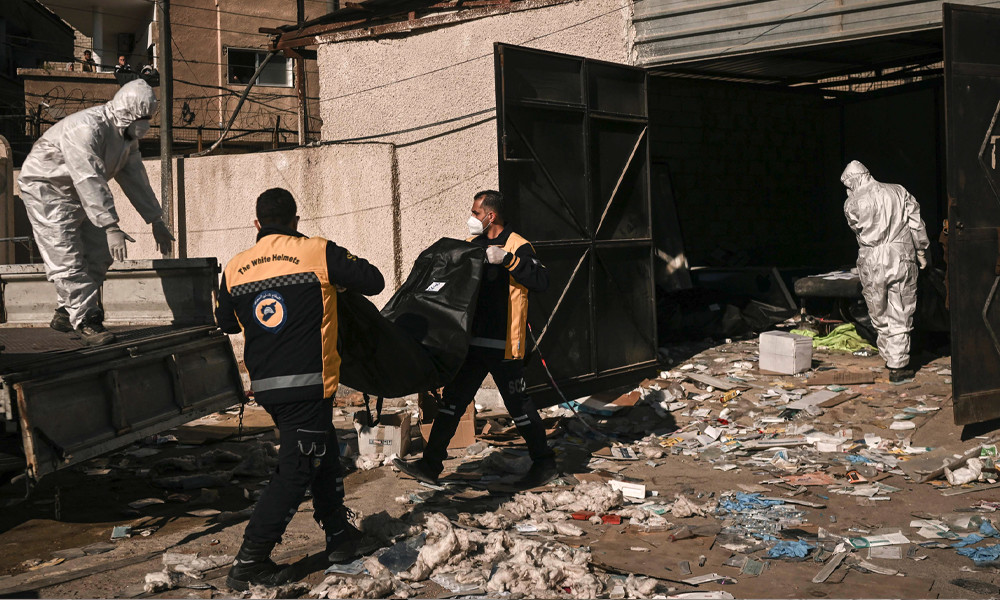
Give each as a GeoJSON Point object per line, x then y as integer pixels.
{"type": "Point", "coordinates": [138, 129]}
{"type": "Point", "coordinates": [476, 226]}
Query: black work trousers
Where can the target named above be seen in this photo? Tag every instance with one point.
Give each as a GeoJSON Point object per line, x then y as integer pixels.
{"type": "Point", "coordinates": [509, 377]}
{"type": "Point", "coordinates": [309, 458]}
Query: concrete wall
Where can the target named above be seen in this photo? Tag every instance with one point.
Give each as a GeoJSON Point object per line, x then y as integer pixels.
{"type": "Point", "coordinates": [372, 87]}
{"type": "Point", "coordinates": [344, 193]}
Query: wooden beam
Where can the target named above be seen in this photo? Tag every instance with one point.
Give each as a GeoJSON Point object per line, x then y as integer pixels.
{"type": "Point", "coordinates": [369, 27]}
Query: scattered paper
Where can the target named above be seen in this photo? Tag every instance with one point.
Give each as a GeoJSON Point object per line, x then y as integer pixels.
{"type": "Point", "coordinates": [628, 489]}
{"type": "Point", "coordinates": [871, 541]}
{"type": "Point", "coordinates": [709, 578]}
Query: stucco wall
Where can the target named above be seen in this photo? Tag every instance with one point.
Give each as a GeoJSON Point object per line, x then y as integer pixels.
{"type": "Point", "coordinates": [372, 87]}
{"type": "Point", "coordinates": [344, 193]}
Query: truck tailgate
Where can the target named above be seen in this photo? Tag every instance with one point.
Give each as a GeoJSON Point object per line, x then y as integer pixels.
{"type": "Point", "coordinates": [76, 405]}
{"type": "Point", "coordinates": [169, 365]}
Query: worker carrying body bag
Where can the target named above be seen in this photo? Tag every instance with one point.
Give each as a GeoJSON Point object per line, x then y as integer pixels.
{"type": "Point", "coordinates": [420, 339]}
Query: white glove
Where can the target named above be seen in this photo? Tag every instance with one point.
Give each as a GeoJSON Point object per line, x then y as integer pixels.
{"type": "Point", "coordinates": [495, 255]}
{"type": "Point", "coordinates": [164, 239]}
{"type": "Point", "coordinates": [116, 242]}
{"type": "Point", "coordinates": [922, 259]}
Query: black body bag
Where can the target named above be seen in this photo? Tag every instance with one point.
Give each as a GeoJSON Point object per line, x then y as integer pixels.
{"type": "Point", "coordinates": [419, 340]}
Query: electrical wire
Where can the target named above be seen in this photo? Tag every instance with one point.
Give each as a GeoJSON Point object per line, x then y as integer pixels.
{"type": "Point", "coordinates": [176, 46]}
{"type": "Point", "coordinates": [776, 25]}
{"type": "Point", "coordinates": [143, 20]}
{"type": "Point", "coordinates": [260, 50]}
{"type": "Point", "coordinates": [46, 42]}
{"type": "Point", "coordinates": [236, 111]}
{"type": "Point", "coordinates": [50, 55]}
{"type": "Point", "coordinates": [235, 93]}
{"type": "Point", "coordinates": [411, 129]}
{"type": "Point", "coordinates": [174, 5]}
{"type": "Point", "coordinates": [247, 96]}
{"type": "Point", "coordinates": [442, 134]}
{"type": "Point", "coordinates": [552, 380]}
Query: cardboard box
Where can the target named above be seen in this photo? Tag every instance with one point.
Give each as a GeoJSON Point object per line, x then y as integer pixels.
{"type": "Point", "coordinates": [785, 353]}
{"type": "Point", "coordinates": [390, 436]}
{"type": "Point", "coordinates": [465, 436]}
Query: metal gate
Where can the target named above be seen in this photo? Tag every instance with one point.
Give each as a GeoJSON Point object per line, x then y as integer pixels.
{"type": "Point", "coordinates": [972, 101]}
{"type": "Point", "coordinates": [573, 143]}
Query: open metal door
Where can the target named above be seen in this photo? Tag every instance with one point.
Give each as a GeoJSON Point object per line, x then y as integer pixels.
{"type": "Point", "coordinates": [573, 137]}
{"type": "Point", "coordinates": [972, 101]}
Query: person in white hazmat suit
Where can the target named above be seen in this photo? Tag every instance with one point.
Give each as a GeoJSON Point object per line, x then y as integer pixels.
{"type": "Point", "coordinates": [892, 242]}
{"type": "Point", "coordinates": [64, 187]}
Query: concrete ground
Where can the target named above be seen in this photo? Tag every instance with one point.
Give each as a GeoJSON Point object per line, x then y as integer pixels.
{"type": "Point", "coordinates": [79, 507]}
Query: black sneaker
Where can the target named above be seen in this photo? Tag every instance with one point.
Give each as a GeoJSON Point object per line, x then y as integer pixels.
{"type": "Point", "coordinates": [901, 374]}
{"type": "Point", "coordinates": [92, 330]}
{"type": "Point", "coordinates": [417, 469]}
{"type": "Point", "coordinates": [253, 566]}
{"type": "Point", "coordinates": [344, 541]}
{"type": "Point", "coordinates": [60, 321]}
{"type": "Point", "coordinates": [541, 473]}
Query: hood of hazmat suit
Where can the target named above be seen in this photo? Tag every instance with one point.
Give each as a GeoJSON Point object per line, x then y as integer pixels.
{"type": "Point", "coordinates": [69, 167]}
{"type": "Point", "coordinates": [882, 213]}
{"type": "Point", "coordinates": [855, 175]}
{"type": "Point", "coordinates": [886, 220]}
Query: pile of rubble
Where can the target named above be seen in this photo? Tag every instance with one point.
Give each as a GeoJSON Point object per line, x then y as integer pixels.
{"type": "Point", "coordinates": [498, 552]}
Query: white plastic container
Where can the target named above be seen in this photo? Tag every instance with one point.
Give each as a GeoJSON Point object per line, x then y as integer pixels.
{"type": "Point", "coordinates": [785, 353]}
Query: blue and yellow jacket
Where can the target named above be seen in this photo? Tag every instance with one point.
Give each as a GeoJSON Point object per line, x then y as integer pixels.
{"type": "Point", "coordinates": [282, 294]}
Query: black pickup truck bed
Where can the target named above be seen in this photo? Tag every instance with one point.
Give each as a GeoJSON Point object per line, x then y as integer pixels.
{"type": "Point", "coordinates": [68, 402]}
{"type": "Point", "coordinates": [26, 348]}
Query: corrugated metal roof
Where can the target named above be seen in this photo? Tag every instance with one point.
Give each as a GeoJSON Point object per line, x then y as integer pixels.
{"type": "Point", "coordinates": [789, 67]}
{"type": "Point", "coordinates": [786, 40]}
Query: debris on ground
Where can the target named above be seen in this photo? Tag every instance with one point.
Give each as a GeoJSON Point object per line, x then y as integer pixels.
{"type": "Point", "coordinates": [179, 570]}
{"type": "Point", "coordinates": [712, 473]}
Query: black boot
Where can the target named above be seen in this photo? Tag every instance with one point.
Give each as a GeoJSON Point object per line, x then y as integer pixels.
{"type": "Point", "coordinates": [542, 471]}
{"type": "Point", "coordinates": [92, 330]}
{"type": "Point", "coordinates": [901, 374]}
{"type": "Point", "coordinates": [344, 541]}
{"type": "Point", "coordinates": [60, 321]}
{"type": "Point", "coordinates": [253, 566]}
{"type": "Point", "coordinates": [417, 469]}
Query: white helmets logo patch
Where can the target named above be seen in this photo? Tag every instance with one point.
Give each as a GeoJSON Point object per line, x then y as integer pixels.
{"type": "Point", "coordinates": [269, 311]}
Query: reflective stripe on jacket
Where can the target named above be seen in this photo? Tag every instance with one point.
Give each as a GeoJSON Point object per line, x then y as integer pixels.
{"type": "Point", "coordinates": [282, 295]}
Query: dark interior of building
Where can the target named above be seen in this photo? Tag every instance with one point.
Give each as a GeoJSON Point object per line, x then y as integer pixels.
{"type": "Point", "coordinates": [746, 155]}
{"type": "Point", "coordinates": [751, 163]}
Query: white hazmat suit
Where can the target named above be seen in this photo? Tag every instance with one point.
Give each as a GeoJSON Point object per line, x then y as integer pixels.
{"type": "Point", "coordinates": [891, 240]}
{"type": "Point", "coordinates": [64, 186]}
